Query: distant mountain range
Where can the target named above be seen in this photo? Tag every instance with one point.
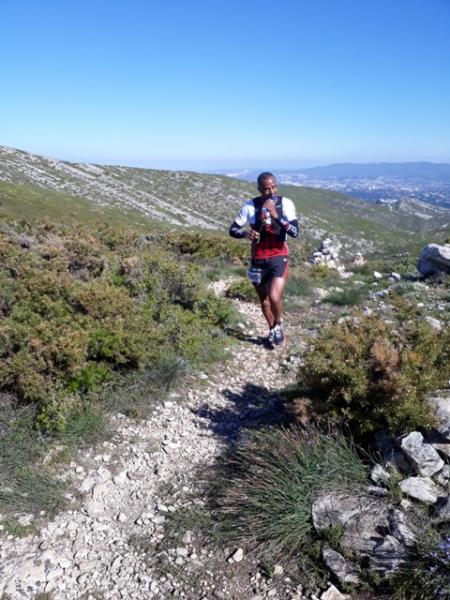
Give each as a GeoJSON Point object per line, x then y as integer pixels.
{"type": "Point", "coordinates": [404, 170]}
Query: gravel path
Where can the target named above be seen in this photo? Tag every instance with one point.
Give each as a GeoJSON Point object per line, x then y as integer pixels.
{"type": "Point", "coordinates": [114, 543]}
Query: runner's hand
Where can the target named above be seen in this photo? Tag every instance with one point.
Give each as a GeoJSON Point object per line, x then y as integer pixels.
{"type": "Point", "coordinates": [270, 205]}
{"type": "Point", "coordinates": [252, 235]}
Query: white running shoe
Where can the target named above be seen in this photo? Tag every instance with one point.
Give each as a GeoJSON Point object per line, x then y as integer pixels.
{"type": "Point", "coordinates": [278, 335]}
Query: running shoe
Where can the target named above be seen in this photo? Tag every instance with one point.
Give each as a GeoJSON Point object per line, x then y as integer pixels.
{"type": "Point", "coordinates": [278, 335]}
{"type": "Point", "coordinates": [270, 339]}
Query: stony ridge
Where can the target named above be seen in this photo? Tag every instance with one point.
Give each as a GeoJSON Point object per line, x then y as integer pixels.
{"type": "Point", "coordinates": [176, 197]}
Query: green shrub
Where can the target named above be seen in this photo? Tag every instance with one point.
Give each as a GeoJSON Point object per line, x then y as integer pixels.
{"type": "Point", "coordinates": [81, 306]}
{"type": "Point", "coordinates": [270, 482]}
{"type": "Point", "coordinates": [25, 485]}
{"type": "Point", "coordinates": [298, 285]}
{"type": "Point", "coordinates": [346, 297]}
{"type": "Point", "coordinates": [242, 289]}
{"type": "Point", "coordinates": [207, 245]}
{"type": "Point", "coordinates": [371, 375]}
{"type": "Point", "coordinates": [318, 272]}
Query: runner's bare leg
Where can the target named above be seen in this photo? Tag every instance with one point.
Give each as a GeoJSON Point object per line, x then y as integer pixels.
{"type": "Point", "coordinates": [276, 290]}
{"type": "Point", "coordinates": [263, 291]}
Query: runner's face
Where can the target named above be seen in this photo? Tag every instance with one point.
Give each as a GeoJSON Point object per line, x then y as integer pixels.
{"type": "Point", "coordinates": [268, 187]}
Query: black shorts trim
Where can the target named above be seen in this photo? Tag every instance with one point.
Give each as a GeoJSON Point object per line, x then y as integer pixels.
{"type": "Point", "coordinates": [274, 266]}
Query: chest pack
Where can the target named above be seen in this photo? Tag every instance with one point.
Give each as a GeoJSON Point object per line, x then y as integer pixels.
{"type": "Point", "coordinates": [259, 225]}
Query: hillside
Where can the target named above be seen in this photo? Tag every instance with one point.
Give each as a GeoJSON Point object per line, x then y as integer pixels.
{"type": "Point", "coordinates": [417, 170]}
{"type": "Point", "coordinates": [174, 197]}
{"type": "Point", "coordinates": [141, 407]}
{"type": "Point", "coordinates": [209, 202]}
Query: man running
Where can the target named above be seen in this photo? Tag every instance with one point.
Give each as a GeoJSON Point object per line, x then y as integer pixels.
{"type": "Point", "coordinates": [271, 218]}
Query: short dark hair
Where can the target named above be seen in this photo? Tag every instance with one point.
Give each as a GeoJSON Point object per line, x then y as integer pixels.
{"type": "Point", "coordinates": [263, 176]}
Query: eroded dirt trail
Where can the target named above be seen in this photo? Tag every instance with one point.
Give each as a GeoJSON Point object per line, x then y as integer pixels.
{"type": "Point", "coordinates": [115, 543]}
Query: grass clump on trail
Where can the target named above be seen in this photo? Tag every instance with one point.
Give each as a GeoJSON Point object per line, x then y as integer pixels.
{"type": "Point", "coordinates": [242, 289]}
{"type": "Point", "coordinates": [427, 574]}
{"type": "Point", "coordinates": [370, 374]}
{"type": "Point", "coordinates": [270, 482]}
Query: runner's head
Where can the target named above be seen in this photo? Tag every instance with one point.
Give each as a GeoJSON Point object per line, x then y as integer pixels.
{"type": "Point", "coordinates": [267, 184]}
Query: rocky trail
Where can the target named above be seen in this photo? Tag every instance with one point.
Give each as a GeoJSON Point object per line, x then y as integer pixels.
{"type": "Point", "coordinates": [131, 532]}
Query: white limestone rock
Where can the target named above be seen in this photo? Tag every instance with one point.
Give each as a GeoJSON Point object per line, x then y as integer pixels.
{"type": "Point", "coordinates": [332, 593]}
{"type": "Point", "coordinates": [380, 475]}
{"type": "Point", "coordinates": [344, 570]}
{"type": "Point", "coordinates": [423, 456]}
{"type": "Point", "coordinates": [434, 323]}
{"type": "Point", "coordinates": [420, 488]}
{"type": "Point", "coordinates": [237, 556]}
{"type": "Point", "coordinates": [434, 259]}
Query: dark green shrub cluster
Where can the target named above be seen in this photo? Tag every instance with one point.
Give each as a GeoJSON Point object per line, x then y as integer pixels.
{"type": "Point", "coordinates": [79, 306]}
{"type": "Point", "coordinates": [371, 375]}
{"type": "Point", "coordinates": [208, 245]}
{"type": "Point", "coordinates": [242, 289]}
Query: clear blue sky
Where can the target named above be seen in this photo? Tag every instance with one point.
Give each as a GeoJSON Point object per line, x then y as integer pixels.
{"type": "Point", "coordinates": [204, 84]}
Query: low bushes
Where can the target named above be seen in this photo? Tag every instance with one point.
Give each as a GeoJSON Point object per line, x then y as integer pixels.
{"type": "Point", "coordinates": [372, 375]}
{"type": "Point", "coordinates": [79, 306]}
{"type": "Point", "coordinates": [242, 289]}
{"type": "Point", "coordinates": [351, 296]}
{"type": "Point", "coordinates": [208, 245]}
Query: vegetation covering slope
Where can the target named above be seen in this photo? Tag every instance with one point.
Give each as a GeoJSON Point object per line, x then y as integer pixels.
{"type": "Point", "coordinates": [211, 201]}
{"type": "Point", "coordinates": [85, 296]}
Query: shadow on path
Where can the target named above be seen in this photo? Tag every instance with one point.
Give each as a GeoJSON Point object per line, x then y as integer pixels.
{"type": "Point", "coordinates": [249, 339]}
{"type": "Point", "coordinates": [253, 408]}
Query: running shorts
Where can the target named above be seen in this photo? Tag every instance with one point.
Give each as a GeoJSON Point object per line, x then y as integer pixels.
{"type": "Point", "coordinates": [264, 269]}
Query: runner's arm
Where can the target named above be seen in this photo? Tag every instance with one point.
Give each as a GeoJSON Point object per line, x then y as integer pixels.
{"type": "Point", "coordinates": [237, 227]}
{"type": "Point", "coordinates": [288, 220]}
{"type": "Point", "coordinates": [236, 231]}
{"type": "Point", "coordinates": [291, 227]}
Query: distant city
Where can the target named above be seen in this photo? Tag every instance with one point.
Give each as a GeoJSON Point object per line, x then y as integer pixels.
{"type": "Point", "coordinates": [423, 185]}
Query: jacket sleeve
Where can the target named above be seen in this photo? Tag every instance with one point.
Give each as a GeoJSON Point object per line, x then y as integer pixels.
{"type": "Point", "coordinates": [288, 220]}
{"type": "Point", "coordinates": [236, 231]}
{"type": "Point", "coordinates": [237, 227]}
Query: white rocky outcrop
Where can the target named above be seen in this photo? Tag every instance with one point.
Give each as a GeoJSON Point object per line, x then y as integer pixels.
{"type": "Point", "coordinates": [328, 255]}
{"type": "Point", "coordinates": [434, 259]}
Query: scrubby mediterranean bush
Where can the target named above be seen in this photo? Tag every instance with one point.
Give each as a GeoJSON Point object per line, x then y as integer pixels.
{"type": "Point", "coordinates": [79, 306]}
{"type": "Point", "coordinates": [370, 374]}
{"type": "Point", "coordinates": [242, 289]}
{"type": "Point", "coordinates": [208, 245]}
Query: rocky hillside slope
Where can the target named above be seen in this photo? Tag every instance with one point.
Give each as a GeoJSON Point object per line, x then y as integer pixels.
{"type": "Point", "coordinates": [181, 198]}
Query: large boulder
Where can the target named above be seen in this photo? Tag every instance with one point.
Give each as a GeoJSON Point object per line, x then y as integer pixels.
{"type": "Point", "coordinates": [434, 259]}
